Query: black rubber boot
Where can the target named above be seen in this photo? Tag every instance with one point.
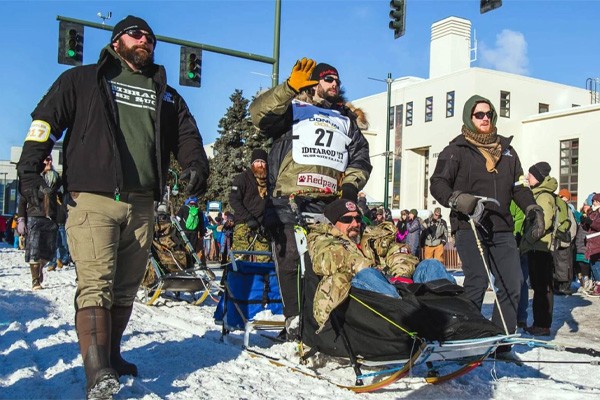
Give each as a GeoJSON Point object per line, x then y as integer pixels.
{"type": "Point", "coordinates": [93, 330]}
{"type": "Point", "coordinates": [120, 318]}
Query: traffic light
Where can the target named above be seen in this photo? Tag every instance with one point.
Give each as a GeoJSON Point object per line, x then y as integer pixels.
{"type": "Point", "coordinates": [70, 43]}
{"type": "Point", "coordinates": [190, 66]}
{"type": "Point", "coordinates": [398, 16]}
{"type": "Point", "coordinates": [489, 5]}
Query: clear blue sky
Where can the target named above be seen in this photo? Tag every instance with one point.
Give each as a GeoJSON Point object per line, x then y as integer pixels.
{"type": "Point", "coordinates": [550, 40]}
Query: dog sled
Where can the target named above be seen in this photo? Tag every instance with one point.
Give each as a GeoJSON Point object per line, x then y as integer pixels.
{"type": "Point", "coordinates": [372, 340]}
{"type": "Point", "coordinates": [174, 267]}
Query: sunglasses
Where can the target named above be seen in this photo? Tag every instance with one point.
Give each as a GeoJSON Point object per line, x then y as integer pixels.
{"type": "Point", "coordinates": [48, 159]}
{"type": "Point", "coordinates": [137, 35]}
{"type": "Point", "coordinates": [481, 114]}
{"type": "Point", "coordinates": [347, 219]}
{"type": "Point", "coordinates": [331, 79]}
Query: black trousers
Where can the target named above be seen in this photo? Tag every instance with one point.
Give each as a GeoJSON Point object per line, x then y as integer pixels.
{"type": "Point", "coordinates": [541, 268]}
{"type": "Point", "coordinates": [502, 257]}
{"type": "Point", "coordinates": [286, 260]}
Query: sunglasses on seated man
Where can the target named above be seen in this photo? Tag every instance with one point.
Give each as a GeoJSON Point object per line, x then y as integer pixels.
{"type": "Point", "coordinates": [347, 219]}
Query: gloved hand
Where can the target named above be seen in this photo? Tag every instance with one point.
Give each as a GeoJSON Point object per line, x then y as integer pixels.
{"type": "Point", "coordinates": [463, 202]}
{"type": "Point", "coordinates": [300, 76]}
{"type": "Point", "coordinates": [196, 183]}
{"type": "Point", "coordinates": [252, 223]}
{"type": "Point", "coordinates": [21, 227]}
{"type": "Point", "coordinates": [30, 186]}
{"type": "Point", "coordinates": [535, 215]}
{"type": "Point", "coordinates": [349, 192]}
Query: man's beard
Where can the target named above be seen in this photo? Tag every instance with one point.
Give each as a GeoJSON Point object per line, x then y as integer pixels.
{"type": "Point", "coordinates": [259, 172]}
{"type": "Point", "coordinates": [138, 56]}
{"type": "Point", "coordinates": [332, 98]}
{"type": "Point", "coordinates": [355, 238]}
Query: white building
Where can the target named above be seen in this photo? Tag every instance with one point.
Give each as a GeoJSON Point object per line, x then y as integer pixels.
{"type": "Point", "coordinates": [549, 121]}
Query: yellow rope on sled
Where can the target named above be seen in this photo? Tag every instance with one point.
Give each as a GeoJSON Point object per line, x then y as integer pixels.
{"type": "Point", "coordinates": [411, 334]}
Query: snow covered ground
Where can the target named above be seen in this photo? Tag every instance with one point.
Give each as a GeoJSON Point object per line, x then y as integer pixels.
{"type": "Point", "coordinates": [177, 349]}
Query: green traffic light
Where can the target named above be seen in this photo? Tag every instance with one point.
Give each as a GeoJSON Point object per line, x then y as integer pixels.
{"type": "Point", "coordinates": [71, 53]}
{"type": "Point", "coordinates": [191, 74]}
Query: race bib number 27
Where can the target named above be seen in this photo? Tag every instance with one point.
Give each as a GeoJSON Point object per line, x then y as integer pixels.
{"type": "Point", "coordinates": [320, 137]}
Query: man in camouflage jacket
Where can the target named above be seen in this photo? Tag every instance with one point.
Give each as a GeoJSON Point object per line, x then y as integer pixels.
{"type": "Point", "coordinates": [338, 253]}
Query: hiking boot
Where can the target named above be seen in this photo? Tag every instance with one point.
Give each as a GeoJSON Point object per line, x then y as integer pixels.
{"type": "Point", "coordinates": [59, 264]}
{"type": "Point", "coordinates": [537, 331]}
{"type": "Point", "coordinates": [292, 328]}
{"type": "Point", "coordinates": [36, 276]}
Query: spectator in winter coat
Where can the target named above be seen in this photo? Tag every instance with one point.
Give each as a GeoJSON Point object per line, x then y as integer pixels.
{"type": "Point", "coordinates": [414, 232]}
{"type": "Point", "coordinates": [582, 264]}
{"type": "Point", "coordinates": [480, 162]}
{"type": "Point", "coordinates": [436, 236]}
{"type": "Point", "coordinates": [591, 223]}
{"type": "Point", "coordinates": [248, 197]}
{"type": "Point", "coordinates": [40, 213]}
{"type": "Point", "coordinates": [191, 221]}
{"type": "Point", "coordinates": [61, 257]}
{"type": "Point", "coordinates": [121, 122]}
{"type": "Point", "coordinates": [539, 256]}
{"type": "Point", "coordinates": [402, 227]}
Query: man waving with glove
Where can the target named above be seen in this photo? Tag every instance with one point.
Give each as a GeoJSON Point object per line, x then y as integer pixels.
{"type": "Point", "coordinates": [316, 145]}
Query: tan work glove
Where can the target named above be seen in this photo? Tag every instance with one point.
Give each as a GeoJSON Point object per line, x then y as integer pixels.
{"type": "Point", "coordinates": [300, 76]}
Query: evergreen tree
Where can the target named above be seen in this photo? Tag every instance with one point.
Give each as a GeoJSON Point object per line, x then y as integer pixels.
{"type": "Point", "coordinates": [232, 150]}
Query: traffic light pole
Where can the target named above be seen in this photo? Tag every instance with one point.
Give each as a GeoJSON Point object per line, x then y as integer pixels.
{"type": "Point", "coordinates": [205, 47]}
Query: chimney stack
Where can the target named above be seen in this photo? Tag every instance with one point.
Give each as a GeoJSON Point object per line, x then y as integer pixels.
{"type": "Point", "coordinates": [450, 46]}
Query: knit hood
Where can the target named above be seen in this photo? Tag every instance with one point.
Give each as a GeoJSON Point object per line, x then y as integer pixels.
{"type": "Point", "coordinates": [468, 111]}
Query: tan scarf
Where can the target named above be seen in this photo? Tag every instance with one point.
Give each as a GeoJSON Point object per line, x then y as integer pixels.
{"type": "Point", "coordinates": [488, 145]}
{"type": "Point", "coordinates": [262, 186]}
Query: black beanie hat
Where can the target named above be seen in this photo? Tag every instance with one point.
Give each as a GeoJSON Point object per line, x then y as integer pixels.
{"type": "Point", "coordinates": [540, 170]}
{"type": "Point", "coordinates": [258, 154]}
{"type": "Point", "coordinates": [322, 70]}
{"type": "Point", "coordinates": [130, 22]}
{"type": "Point", "coordinates": [334, 210]}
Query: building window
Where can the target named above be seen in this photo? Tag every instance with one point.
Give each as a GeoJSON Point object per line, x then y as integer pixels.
{"type": "Point", "coordinates": [505, 104]}
{"type": "Point", "coordinates": [450, 104]}
{"type": "Point", "coordinates": [543, 108]}
{"type": "Point", "coordinates": [409, 113]}
{"type": "Point", "coordinates": [575, 105]}
{"type": "Point", "coordinates": [428, 109]}
{"type": "Point", "coordinates": [569, 166]}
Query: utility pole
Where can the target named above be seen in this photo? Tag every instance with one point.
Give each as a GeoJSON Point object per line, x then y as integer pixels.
{"type": "Point", "coordinates": [386, 186]}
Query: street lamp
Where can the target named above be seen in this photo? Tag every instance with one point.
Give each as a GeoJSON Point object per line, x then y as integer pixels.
{"type": "Point", "coordinates": [3, 190]}
{"type": "Point", "coordinates": [386, 187]}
